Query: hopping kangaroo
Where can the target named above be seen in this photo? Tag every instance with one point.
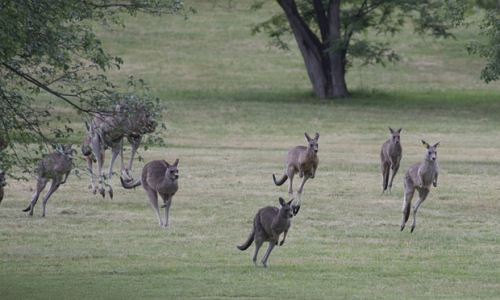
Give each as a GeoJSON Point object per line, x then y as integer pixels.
{"type": "Point", "coordinates": [390, 157]}
{"type": "Point", "coordinates": [108, 130]}
{"type": "Point", "coordinates": [158, 177]}
{"type": "Point", "coordinates": [56, 166]}
{"type": "Point", "coordinates": [419, 177]}
{"type": "Point", "coordinates": [268, 224]}
{"type": "Point", "coordinates": [303, 160]}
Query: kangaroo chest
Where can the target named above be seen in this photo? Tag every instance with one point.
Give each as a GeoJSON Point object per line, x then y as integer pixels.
{"type": "Point", "coordinates": [395, 152]}
{"type": "Point", "coordinates": [427, 172]}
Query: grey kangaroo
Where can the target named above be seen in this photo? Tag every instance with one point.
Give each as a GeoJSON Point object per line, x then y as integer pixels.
{"type": "Point", "coordinates": [56, 166]}
{"type": "Point", "coordinates": [108, 129]}
{"type": "Point", "coordinates": [419, 177]}
{"type": "Point", "coordinates": [390, 157]}
{"type": "Point", "coordinates": [158, 177]}
{"type": "Point", "coordinates": [303, 160]}
{"type": "Point", "coordinates": [268, 224]}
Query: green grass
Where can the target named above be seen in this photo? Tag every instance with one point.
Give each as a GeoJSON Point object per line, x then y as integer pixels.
{"type": "Point", "coordinates": [234, 109]}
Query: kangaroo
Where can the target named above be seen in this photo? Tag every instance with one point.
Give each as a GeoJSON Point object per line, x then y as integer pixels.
{"type": "Point", "coordinates": [108, 129]}
{"type": "Point", "coordinates": [2, 184]}
{"type": "Point", "coordinates": [268, 224]}
{"type": "Point", "coordinates": [158, 177]}
{"type": "Point", "coordinates": [303, 160]}
{"type": "Point", "coordinates": [56, 166]}
{"type": "Point", "coordinates": [390, 157]}
{"type": "Point", "coordinates": [419, 177]}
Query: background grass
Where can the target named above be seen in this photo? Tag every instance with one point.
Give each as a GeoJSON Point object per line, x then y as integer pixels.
{"type": "Point", "coordinates": [234, 109]}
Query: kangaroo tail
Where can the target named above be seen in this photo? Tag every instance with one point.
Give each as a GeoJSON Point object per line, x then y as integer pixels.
{"type": "Point", "coordinates": [130, 184]}
{"type": "Point", "coordinates": [282, 179]}
{"type": "Point", "coordinates": [248, 242]}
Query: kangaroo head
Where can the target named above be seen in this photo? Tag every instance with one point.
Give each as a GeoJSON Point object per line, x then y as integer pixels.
{"type": "Point", "coordinates": [286, 210]}
{"type": "Point", "coordinates": [430, 151]}
{"type": "Point", "coordinates": [313, 142]}
{"type": "Point", "coordinates": [66, 149]}
{"type": "Point", "coordinates": [172, 171]}
{"type": "Point", "coordinates": [395, 138]}
{"type": "Point", "coordinates": [147, 123]}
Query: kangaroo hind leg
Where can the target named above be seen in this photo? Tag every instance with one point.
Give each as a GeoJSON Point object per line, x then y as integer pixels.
{"type": "Point", "coordinates": [422, 194]}
{"type": "Point", "coordinates": [270, 248]}
{"type": "Point", "coordinates": [296, 207]}
{"type": "Point", "coordinates": [406, 207]}
{"type": "Point", "coordinates": [153, 199]}
{"type": "Point", "coordinates": [53, 187]}
{"type": "Point", "coordinates": [258, 243]}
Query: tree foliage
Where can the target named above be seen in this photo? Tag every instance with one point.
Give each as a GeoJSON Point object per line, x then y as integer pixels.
{"type": "Point", "coordinates": [50, 47]}
{"type": "Point", "coordinates": [345, 28]}
{"type": "Point", "coordinates": [487, 43]}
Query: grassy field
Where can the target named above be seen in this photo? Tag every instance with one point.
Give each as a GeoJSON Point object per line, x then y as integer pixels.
{"type": "Point", "coordinates": [234, 109]}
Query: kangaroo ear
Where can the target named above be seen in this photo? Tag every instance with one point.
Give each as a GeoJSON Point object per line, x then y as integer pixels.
{"type": "Point", "coordinates": [290, 202]}
{"type": "Point", "coordinates": [399, 130]}
{"type": "Point", "coordinates": [307, 136]}
{"type": "Point", "coordinates": [166, 163]}
{"type": "Point", "coordinates": [316, 136]}
{"type": "Point", "coordinates": [282, 202]}
{"type": "Point", "coordinates": [425, 144]}
{"type": "Point", "coordinates": [391, 130]}
{"type": "Point", "coordinates": [436, 144]}
{"type": "Point", "coordinates": [176, 162]}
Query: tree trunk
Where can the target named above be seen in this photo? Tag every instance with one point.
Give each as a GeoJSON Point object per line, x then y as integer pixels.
{"type": "Point", "coordinates": [324, 68]}
{"type": "Point", "coordinates": [337, 57]}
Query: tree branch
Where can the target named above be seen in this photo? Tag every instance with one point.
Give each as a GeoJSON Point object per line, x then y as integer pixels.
{"type": "Point", "coordinates": [45, 87]}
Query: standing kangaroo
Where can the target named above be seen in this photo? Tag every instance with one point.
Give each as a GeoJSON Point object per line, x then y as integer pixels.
{"type": "Point", "coordinates": [419, 177]}
{"type": "Point", "coordinates": [268, 224]}
{"type": "Point", "coordinates": [56, 166]}
{"type": "Point", "coordinates": [390, 157]}
{"type": "Point", "coordinates": [303, 160]}
{"type": "Point", "coordinates": [158, 177]}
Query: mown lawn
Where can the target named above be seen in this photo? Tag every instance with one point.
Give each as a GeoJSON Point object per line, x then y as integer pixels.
{"type": "Point", "coordinates": [234, 109]}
